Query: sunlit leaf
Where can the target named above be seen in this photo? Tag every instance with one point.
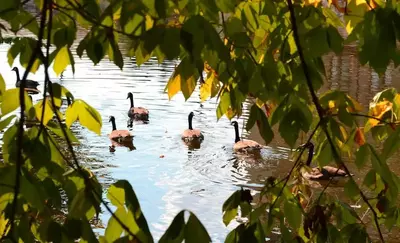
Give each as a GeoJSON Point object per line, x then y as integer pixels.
{"type": "Point", "coordinates": [11, 101]}
{"type": "Point", "coordinates": [62, 60]}
{"type": "Point", "coordinates": [114, 229]}
{"type": "Point", "coordinates": [121, 193]}
{"type": "Point", "coordinates": [87, 116]}
{"type": "Point", "coordinates": [184, 79]}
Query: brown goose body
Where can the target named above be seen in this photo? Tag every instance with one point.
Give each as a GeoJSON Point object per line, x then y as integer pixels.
{"type": "Point", "coordinates": [191, 135]}
{"type": "Point", "coordinates": [119, 136]}
{"type": "Point", "coordinates": [244, 145]}
{"type": "Point", "coordinates": [137, 113]}
{"type": "Point", "coordinates": [324, 173]}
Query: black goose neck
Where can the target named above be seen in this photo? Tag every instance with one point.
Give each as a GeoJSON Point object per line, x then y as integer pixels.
{"type": "Point", "coordinates": [17, 73]}
{"type": "Point", "coordinates": [237, 137]}
{"type": "Point", "coordinates": [190, 118]}
{"type": "Point", "coordinates": [310, 154]}
{"type": "Point", "coordinates": [114, 126]}
{"type": "Point", "coordinates": [131, 99]}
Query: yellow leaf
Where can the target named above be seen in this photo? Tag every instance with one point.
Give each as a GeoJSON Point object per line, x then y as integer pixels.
{"type": "Point", "coordinates": [48, 112]}
{"type": "Point", "coordinates": [4, 228]}
{"type": "Point", "coordinates": [355, 11]}
{"type": "Point", "coordinates": [312, 2]}
{"type": "Point", "coordinates": [174, 85]}
{"type": "Point", "coordinates": [260, 103]}
{"type": "Point", "coordinates": [184, 78]}
{"type": "Point", "coordinates": [11, 101]}
{"type": "Point", "coordinates": [35, 66]}
{"type": "Point", "coordinates": [61, 61]}
{"type": "Point", "coordinates": [149, 22]}
{"type": "Point", "coordinates": [210, 87]}
{"type": "Point", "coordinates": [331, 104]}
{"type": "Point", "coordinates": [356, 104]}
{"type": "Point", "coordinates": [344, 132]}
{"type": "Point", "coordinates": [87, 116]}
{"type": "Point", "coordinates": [377, 110]}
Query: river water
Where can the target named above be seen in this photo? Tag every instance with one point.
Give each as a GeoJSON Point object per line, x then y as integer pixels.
{"type": "Point", "coordinates": [167, 176]}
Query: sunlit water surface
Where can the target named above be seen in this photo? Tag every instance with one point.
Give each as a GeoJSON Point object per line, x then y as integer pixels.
{"type": "Point", "coordinates": [167, 176]}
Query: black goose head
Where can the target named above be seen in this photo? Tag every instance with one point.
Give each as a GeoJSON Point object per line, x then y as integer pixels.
{"type": "Point", "coordinates": [15, 69]}
{"type": "Point", "coordinates": [130, 96]}
{"type": "Point", "coordinates": [112, 120]}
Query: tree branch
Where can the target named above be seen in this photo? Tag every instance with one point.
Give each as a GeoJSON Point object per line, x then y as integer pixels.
{"type": "Point", "coordinates": [315, 100]}
{"type": "Point", "coordinates": [46, 67]}
{"type": "Point", "coordinates": [22, 118]}
{"type": "Point", "coordinates": [293, 167]}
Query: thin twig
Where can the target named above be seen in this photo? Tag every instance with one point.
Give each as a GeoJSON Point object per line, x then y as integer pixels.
{"type": "Point", "coordinates": [22, 118]}
{"type": "Point", "coordinates": [321, 113]}
{"type": "Point", "coordinates": [46, 66]}
{"type": "Point", "coordinates": [75, 160]}
{"type": "Point", "coordinates": [294, 166]}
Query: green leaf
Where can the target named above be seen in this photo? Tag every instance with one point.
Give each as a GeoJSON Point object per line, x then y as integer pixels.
{"type": "Point", "coordinates": [370, 178]}
{"type": "Point", "coordinates": [62, 60]}
{"type": "Point", "coordinates": [345, 117]}
{"type": "Point", "coordinates": [257, 114]}
{"type": "Point", "coordinates": [391, 145]}
{"type": "Point", "coordinates": [114, 229]}
{"type": "Point", "coordinates": [32, 192]}
{"type": "Point", "coordinates": [116, 55]}
{"type": "Point", "coordinates": [226, 6]}
{"type": "Point", "coordinates": [56, 129]}
{"type": "Point", "coordinates": [122, 192]}
{"type": "Point", "coordinates": [293, 214]}
{"type": "Point", "coordinates": [335, 40]}
{"type": "Point", "coordinates": [383, 170]}
{"type": "Point", "coordinates": [230, 207]}
{"type": "Point", "coordinates": [4, 123]}
{"type": "Point", "coordinates": [351, 189]}
{"type": "Point", "coordinates": [81, 206]}
{"type": "Point", "coordinates": [195, 231]}
{"type": "Point", "coordinates": [87, 115]}
{"type": "Point", "coordinates": [223, 105]}
{"type": "Point", "coordinates": [2, 87]}
{"type": "Point", "coordinates": [362, 155]}
{"type": "Point", "coordinates": [170, 45]}
{"type": "Point", "coordinates": [324, 154]}
{"type": "Point", "coordinates": [354, 233]}
{"type": "Point", "coordinates": [176, 231]}
{"type": "Point", "coordinates": [291, 124]}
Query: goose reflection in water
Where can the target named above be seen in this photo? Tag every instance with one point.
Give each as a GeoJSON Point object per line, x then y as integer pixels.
{"type": "Point", "coordinates": [127, 144]}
